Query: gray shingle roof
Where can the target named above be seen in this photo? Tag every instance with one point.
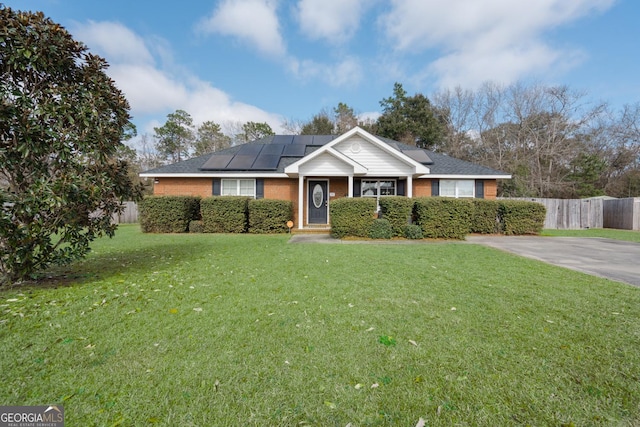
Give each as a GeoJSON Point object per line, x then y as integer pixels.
{"type": "Point", "coordinates": [275, 153]}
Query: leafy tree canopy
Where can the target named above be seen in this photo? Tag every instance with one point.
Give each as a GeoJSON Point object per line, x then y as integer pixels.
{"type": "Point", "coordinates": [175, 137]}
{"type": "Point", "coordinates": [210, 138]}
{"type": "Point", "coordinates": [62, 122]}
{"type": "Point", "coordinates": [410, 119]}
{"type": "Point", "coordinates": [320, 124]}
{"type": "Point", "coordinates": [253, 131]}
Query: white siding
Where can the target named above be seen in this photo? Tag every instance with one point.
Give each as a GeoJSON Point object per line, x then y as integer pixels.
{"type": "Point", "coordinates": [376, 160]}
{"type": "Point", "coordinates": [327, 165]}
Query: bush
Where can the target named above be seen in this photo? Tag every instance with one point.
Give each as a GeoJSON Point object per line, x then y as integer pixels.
{"type": "Point", "coordinates": [224, 214]}
{"type": "Point", "coordinates": [352, 216]}
{"type": "Point", "coordinates": [397, 210]}
{"type": "Point", "coordinates": [196, 227]}
{"type": "Point", "coordinates": [521, 217]}
{"type": "Point", "coordinates": [443, 217]}
{"type": "Point", "coordinates": [381, 229]}
{"type": "Point", "coordinates": [412, 231]}
{"type": "Point", "coordinates": [269, 216]}
{"type": "Point", "coordinates": [168, 214]}
{"type": "Point", "coordinates": [485, 217]}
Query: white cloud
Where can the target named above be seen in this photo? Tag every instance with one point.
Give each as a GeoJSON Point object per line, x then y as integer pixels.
{"type": "Point", "coordinates": [347, 72]}
{"type": "Point", "coordinates": [485, 40]}
{"type": "Point", "coordinates": [155, 90]}
{"type": "Point", "coordinates": [333, 20]}
{"type": "Point", "coordinates": [252, 21]}
{"type": "Point", "coordinates": [114, 41]}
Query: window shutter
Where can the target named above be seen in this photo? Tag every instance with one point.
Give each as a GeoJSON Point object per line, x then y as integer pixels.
{"type": "Point", "coordinates": [400, 191]}
{"type": "Point", "coordinates": [479, 189]}
{"type": "Point", "coordinates": [356, 187]}
{"type": "Point", "coordinates": [260, 188]}
{"type": "Point", "coordinates": [216, 187]}
{"type": "Point", "coordinates": [435, 187]}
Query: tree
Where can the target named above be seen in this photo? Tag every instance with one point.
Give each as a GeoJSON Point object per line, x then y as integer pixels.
{"type": "Point", "coordinates": [410, 119]}
{"type": "Point", "coordinates": [320, 124]}
{"type": "Point", "coordinates": [253, 131]}
{"type": "Point", "coordinates": [210, 138]}
{"type": "Point", "coordinates": [344, 118]}
{"type": "Point", "coordinates": [175, 137]}
{"type": "Point", "coordinates": [62, 122]}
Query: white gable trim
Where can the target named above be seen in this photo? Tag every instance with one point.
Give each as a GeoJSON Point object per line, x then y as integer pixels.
{"type": "Point", "coordinates": [294, 168]}
{"type": "Point", "coordinates": [419, 168]}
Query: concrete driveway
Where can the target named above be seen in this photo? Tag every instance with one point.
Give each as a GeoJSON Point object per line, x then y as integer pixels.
{"type": "Point", "coordinates": [611, 259]}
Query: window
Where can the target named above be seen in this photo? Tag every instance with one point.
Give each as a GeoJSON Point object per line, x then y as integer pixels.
{"type": "Point", "coordinates": [238, 187]}
{"type": "Point", "coordinates": [457, 188]}
{"type": "Point", "coordinates": [378, 188]}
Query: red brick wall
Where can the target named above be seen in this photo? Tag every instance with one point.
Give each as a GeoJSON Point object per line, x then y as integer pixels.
{"type": "Point", "coordinates": [421, 188]}
{"type": "Point", "coordinates": [490, 188]}
{"type": "Point", "coordinates": [202, 187]}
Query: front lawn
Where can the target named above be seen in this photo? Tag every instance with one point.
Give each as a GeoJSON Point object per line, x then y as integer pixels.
{"type": "Point", "coordinates": [226, 330]}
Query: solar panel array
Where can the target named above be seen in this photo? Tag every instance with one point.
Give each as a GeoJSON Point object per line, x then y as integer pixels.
{"type": "Point", "coordinates": [271, 152]}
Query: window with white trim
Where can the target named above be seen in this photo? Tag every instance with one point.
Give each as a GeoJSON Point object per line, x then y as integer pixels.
{"type": "Point", "coordinates": [238, 187]}
{"type": "Point", "coordinates": [378, 188]}
{"type": "Point", "coordinates": [457, 188]}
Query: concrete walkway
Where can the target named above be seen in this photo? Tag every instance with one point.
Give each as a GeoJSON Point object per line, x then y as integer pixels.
{"type": "Point", "coordinates": [611, 259]}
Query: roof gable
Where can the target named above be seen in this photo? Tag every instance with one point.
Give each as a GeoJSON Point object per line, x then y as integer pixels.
{"type": "Point", "coordinates": [357, 145]}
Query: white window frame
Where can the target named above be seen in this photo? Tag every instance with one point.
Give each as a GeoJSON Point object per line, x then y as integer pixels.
{"type": "Point", "coordinates": [238, 187]}
{"type": "Point", "coordinates": [377, 186]}
{"type": "Point", "coordinates": [457, 190]}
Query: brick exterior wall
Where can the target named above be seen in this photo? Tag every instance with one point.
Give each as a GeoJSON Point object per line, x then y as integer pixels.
{"type": "Point", "coordinates": [421, 188]}
{"type": "Point", "coordinates": [287, 189]}
{"type": "Point", "coordinates": [202, 187]}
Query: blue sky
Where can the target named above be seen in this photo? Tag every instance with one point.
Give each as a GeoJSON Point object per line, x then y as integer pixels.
{"type": "Point", "coordinates": [234, 61]}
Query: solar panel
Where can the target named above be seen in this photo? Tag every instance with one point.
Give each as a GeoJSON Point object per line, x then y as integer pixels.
{"type": "Point", "coordinates": [272, 149]}
{"type": "Point", "coordinates": [322, 139]}
{"type": "Point", "coordinates": [303, 139]}
{"type": "Point", "coordinates": [294, 150]}
{"type": "Point", "coordinates": [217, 161]}
{"type": "Point", "coordinates": [267, 162]}
{"type": "Point", "coordinates": [282, 139]}
{"type": "Point", "coordinates": [242, 162]}
{"type": "Point", "coordinates": [250, 149]}
{"type": "Point", "coordinates": [418, 155]}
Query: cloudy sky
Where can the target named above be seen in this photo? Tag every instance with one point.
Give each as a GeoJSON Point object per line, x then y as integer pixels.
{"type": "Point", "coordinates": [271, 60]}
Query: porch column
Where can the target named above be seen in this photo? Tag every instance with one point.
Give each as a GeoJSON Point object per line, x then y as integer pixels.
{"type": "Point", "coordinates": [350, 191]}
{"type": "Point", "coordinates": [409, 186]}
{"type": "Point", "coordinates": [300, 202]}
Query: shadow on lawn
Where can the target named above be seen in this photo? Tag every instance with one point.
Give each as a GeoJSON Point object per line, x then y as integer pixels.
{"type": "Point", "coordinates": [104, 265]}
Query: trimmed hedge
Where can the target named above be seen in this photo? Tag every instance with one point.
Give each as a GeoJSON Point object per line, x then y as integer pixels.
{"type": "Point", "coordinates": [485, 218]}
{"type": "Point", "coordinates": [521, 217]}
{"type": "Point", "coordinates": [352, 216]}
{"type": "Point", "coordinates": [413, 232]}
{"type": "Point", "coordinates": [381, 229]}
{"type": "Point", "coordinates": [196, 227]}
{"type": "Point", "coordinates": [397, 210]}
{"type": "Point", "coordinates": [269, 216]}
{"type": "Point", "coordinates": [168, 214]}
{"type": "Point", "coordinates": [224, 214]}
{"type": "Point", "coordinates": [443, 217]}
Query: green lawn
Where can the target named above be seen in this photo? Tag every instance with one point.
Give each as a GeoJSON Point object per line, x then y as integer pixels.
{"type": "Point", "coordinates": [201, 330]}
{"type": "Point", "coordinates": [609, 233]}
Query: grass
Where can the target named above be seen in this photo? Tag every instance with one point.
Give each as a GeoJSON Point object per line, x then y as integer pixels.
{"type": "Point", "coordinates": [608, 233]}
{"type": "Point", "coordinates": [198, 330]}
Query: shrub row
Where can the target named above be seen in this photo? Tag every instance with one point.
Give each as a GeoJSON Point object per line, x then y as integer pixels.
{"type": "Point", "coordinates": [168, 214]}
{"type": "Point", "coordinates": [434, 217]}
{"type": "Point", "coordinates": [178, 214]}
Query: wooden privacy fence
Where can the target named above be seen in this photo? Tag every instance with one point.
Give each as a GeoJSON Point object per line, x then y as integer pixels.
{"type": "Point", "coordinates": [622, 213]}
{"type": "Point", "coordinates": [575, 214]}
{"type": "Point", "coordinates": [128, 216]}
